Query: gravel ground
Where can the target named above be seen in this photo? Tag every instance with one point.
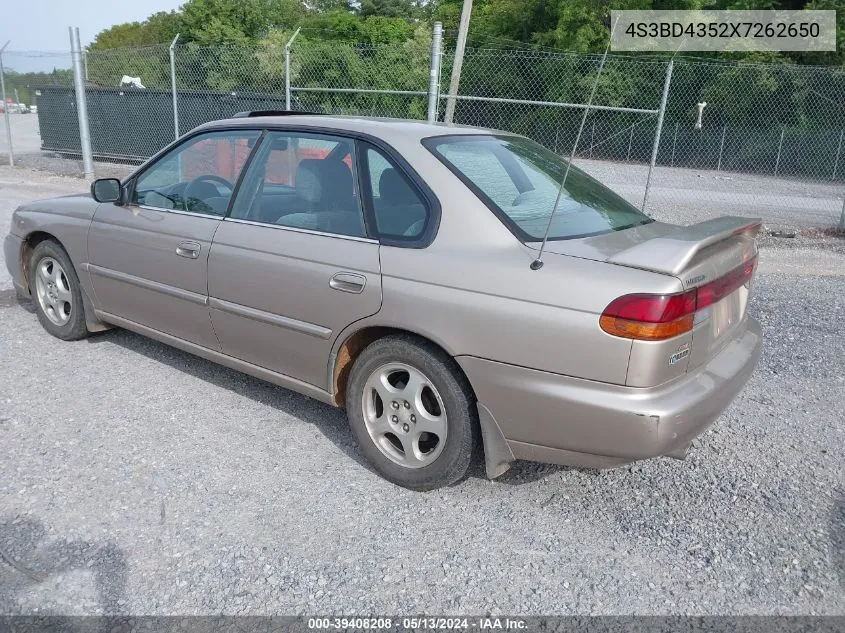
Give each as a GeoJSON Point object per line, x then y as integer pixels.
{"type": "Point", "coordinates": [136, 478]}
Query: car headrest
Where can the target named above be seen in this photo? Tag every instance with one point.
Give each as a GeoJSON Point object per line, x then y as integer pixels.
{"type": "Point", "coordinates": [324, 180]}
{"type": "Point", "coordinates": [394, 189]}
{"type": "Point", "coordinates": [308, 180]}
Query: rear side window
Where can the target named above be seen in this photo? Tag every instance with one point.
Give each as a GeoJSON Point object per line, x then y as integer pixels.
{"type": "Point", "coordinates": [400, 211]}
{"type": "Point", "coordinates": [304, 181]}
{"type": "Point", "coordinates": [519, 180]}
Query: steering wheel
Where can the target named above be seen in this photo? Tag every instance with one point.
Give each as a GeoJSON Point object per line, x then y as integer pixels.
{"type": "Point", "coordinates": [195, 192]}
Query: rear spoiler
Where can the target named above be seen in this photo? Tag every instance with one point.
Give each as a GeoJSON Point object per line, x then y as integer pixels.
{"type": "Point", "coordinates": [672, 253]}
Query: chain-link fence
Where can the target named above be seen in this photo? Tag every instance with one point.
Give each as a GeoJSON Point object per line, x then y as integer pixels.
{"type": "Point", "coordinates": [737, 138]}
{"type": "Point", "coordinates": [753, 139]}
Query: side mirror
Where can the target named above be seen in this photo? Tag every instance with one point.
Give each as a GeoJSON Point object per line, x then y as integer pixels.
{"type": "Point", "coordinates": [106, 190]}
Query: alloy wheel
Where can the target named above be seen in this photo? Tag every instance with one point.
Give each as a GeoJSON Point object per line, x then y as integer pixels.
{"type": "Point", "coordinates": [53, 291]}
{"type": "Point", "coordinates": [404, 415]}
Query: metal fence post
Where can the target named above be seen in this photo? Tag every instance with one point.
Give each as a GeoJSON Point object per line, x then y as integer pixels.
{"type": "Point", "coordinates": [630, 142]}
{"type": "Point", "coordinates": [81, 107]}
{"type": "Point", "coordinates": [838, 150]}
{"type": "Point", "coordinates": [674, 142]}
{"type": "Point", "coordinates": [660, 114]}
{"type": "Point", "coordinates": [287, 67]}
{"type": "Point", "coordinates": [6, 107]}
{"type": "Point", "coordinates": [434, 72]}
{"type": "Point", "coordinates": [780, 145]}
{"type": "Point", "coordinates": [173, 86]}
{"type": "Point", "coordinates": [721, 148]}
{"type": "Point", "coordinates": [842, 217]}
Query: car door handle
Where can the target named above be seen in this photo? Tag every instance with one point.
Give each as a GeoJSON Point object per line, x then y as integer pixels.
{"type": "Point", "coordinates": [191, 250]}
{"type": "Point", "coordinates": [348, 282]}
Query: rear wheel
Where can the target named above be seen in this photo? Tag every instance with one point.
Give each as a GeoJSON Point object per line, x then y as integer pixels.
{"type": "Point", "coordinates": [56, 292]}
{"type": "Point", "coordinates": [412, 413]}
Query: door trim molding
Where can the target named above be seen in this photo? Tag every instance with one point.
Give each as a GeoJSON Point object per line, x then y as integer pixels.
{"type": "Point", "coordinates": [295, 229]}
{"type": "Point", "coordinates": [312, 329]}
{"type": "Point", "coordinates": [276, 378]}
{"type": "Point", "coordinates": [146, 284]}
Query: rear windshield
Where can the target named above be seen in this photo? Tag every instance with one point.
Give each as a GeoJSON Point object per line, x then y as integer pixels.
{"type": "Point", "coordinates": [519, 180]}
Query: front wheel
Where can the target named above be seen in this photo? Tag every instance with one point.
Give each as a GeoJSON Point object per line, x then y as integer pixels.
{"type": "Point", "coordinates": [56, 292]}
{"type": "Point", "coordinates": [412, 413]}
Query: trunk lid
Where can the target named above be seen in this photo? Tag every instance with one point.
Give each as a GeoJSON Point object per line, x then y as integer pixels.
{"type": "Point", "coordinates": [697, 255]}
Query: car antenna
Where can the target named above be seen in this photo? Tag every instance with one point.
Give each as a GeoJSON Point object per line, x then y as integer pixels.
{"type": "Point", "coordinates": [537, 264]}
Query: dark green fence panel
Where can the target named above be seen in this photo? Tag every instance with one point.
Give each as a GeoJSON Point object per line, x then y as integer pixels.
{"type": "Point", "coordinates": [134, 124]}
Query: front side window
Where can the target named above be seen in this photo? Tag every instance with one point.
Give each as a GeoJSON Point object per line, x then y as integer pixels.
{"type": "Point", "coordinates": [399, 210]}
{"type": "Point", "coordinates": [199, 175]}
{"type": "Point", "coordinates": [519, 180]}
{"type": "Point", "coordinates": [304, 181]}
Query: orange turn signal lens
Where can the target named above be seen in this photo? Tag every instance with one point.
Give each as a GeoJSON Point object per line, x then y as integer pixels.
{"type": "Point", "coordinates": [643, 331]}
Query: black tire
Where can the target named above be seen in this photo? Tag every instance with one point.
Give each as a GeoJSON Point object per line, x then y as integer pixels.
{"type": "Point", "coordinates": [440, 369]}
{"type": "Point", "coordinates": [74, 328]}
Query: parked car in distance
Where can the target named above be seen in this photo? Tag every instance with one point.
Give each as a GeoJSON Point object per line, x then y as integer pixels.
{"type": "Point", "coordinates": [389, 267]}
{"type": "Point", "coordinates": [14, 108]}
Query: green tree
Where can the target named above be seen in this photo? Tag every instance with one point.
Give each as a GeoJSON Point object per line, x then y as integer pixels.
{"type": "Point", "coordinates": [389, 8]}
{"type": "Point", "coordinates": [336, 25]}
{"type": "Point", "coordinates": [27, 83]}
{"type": "Point", "coordinates": [159, 28]}
{"type": "Point", "coordinates": [215, 22]}
{"type": "Point", "coordinates": [378, 29]}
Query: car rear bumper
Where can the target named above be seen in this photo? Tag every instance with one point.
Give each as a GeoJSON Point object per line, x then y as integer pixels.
{"type": "Point", "coordinates": [12, 253]}
{"type": "Point", "coordinates": [559, 419]}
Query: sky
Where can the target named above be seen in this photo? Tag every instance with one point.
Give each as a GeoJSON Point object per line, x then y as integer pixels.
{"type": "Point", "coordinates": [41, 25]}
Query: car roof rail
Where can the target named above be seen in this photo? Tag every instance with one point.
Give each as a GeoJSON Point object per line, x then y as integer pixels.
{"type": "Point", "coordinates": [249, 114]}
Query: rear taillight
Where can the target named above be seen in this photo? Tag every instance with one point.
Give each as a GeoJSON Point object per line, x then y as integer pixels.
{"type": "Point", "coordinates": [648, 317]}
{"type": "Point", "coordinates": [718, 289]}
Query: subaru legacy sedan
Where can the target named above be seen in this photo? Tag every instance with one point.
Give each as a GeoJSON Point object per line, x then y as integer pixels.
{"type": "Point", "coordinates": [393, 268]}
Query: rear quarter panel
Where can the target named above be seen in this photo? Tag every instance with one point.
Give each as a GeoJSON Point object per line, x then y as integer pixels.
{"type": "Point", "coordinates": [472, 291]}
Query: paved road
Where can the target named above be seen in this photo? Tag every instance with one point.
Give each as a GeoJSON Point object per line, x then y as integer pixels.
{"type": "Point", "coordinates": [136, 478]}
{"type": "Point", "coordinates": [685, 196]}
{"type": "Point", "coordinates": [26, 138]}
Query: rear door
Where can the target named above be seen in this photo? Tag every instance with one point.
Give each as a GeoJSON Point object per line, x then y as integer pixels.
{"type": "Point", "coordinates": [148, 259]}
{"type": "Point", "coordinates": [293, 264]}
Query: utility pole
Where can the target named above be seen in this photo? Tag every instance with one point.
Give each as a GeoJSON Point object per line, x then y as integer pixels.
{"type": "Point", "coordinates": [458, 63]}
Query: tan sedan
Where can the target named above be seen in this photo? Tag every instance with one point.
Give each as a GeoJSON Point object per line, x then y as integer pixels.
{"type": "Point", "coordinates": [390, 267]}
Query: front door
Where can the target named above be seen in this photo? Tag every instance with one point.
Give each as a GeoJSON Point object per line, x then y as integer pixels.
{"type": "Point", "coordinates": [149, 259]}
{"type": "Point", "coordinates": [292, 266]}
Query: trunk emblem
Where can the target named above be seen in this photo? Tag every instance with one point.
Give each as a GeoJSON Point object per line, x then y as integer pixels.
{"type": "Point", "coordinates": [694, 280]}
{"type": "Point", "coordinates": [683, 352]}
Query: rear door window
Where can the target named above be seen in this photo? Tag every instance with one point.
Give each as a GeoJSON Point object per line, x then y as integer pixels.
{"type": "Point", "coordinates": [305, 181]}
